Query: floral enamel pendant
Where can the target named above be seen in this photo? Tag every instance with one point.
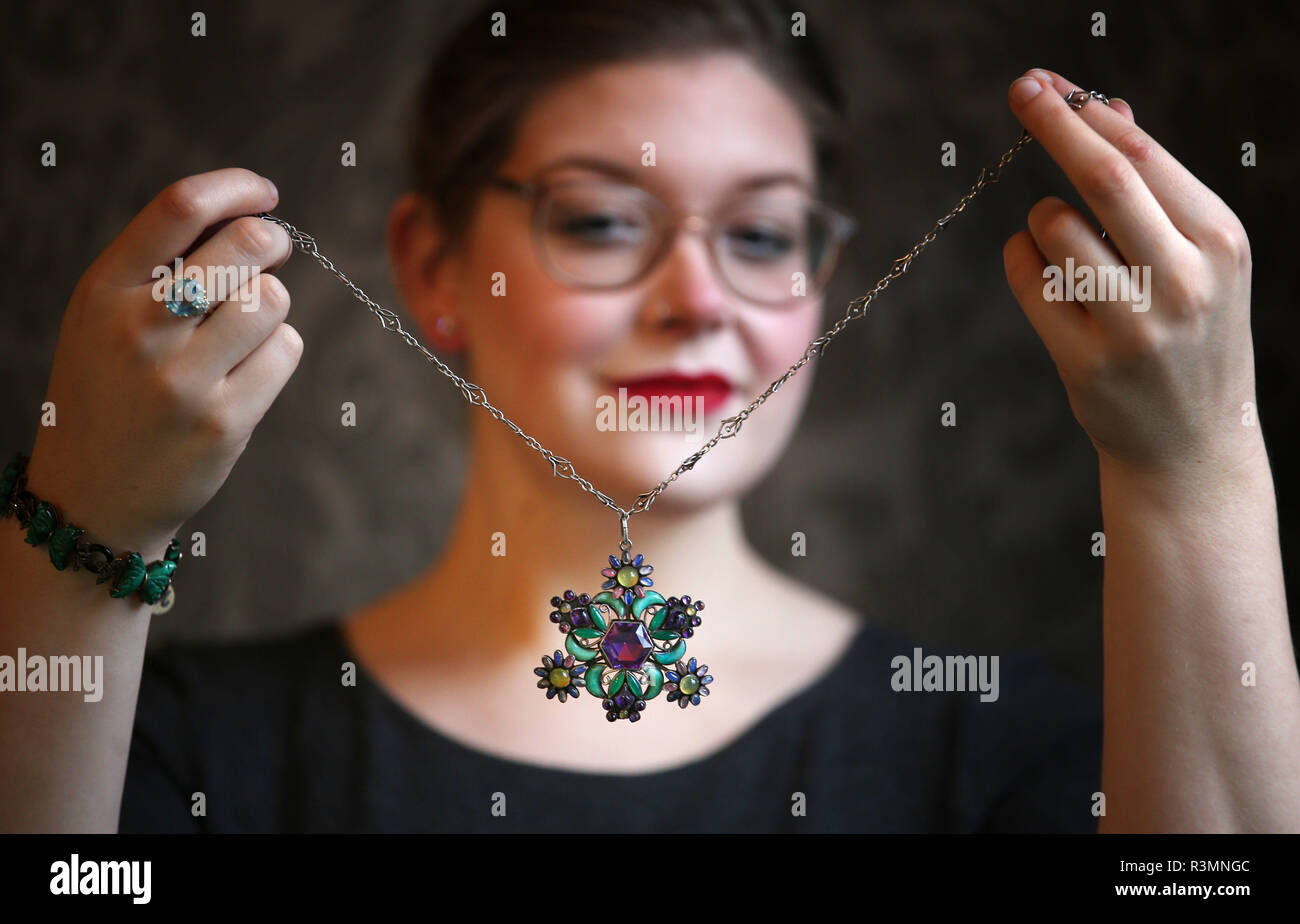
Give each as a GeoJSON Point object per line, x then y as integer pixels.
{"type": "Point", "coordinates": [625, 645]}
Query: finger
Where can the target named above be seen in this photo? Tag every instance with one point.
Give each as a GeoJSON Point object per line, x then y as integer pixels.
{"type": "Point", "coordinates": [227, 337]}
{"type": "Point", "coordinates": [175, 218]}
{"type": "Point", "coordinates": [1109, 184]}
{"type": "Point", "coordinates": [1192, 207]}
{"type": "Point", "coordinates": [1066, 240]}
{"type": "Point", "coordinates": [238, 252]}
{"type": "Point", "coordinates": [254, 384]}
{"type": "Point", "coordinates": [242, 249]}
{"type": "Point", "coordinates": [1121, 106]}
{"type": "Point", "coordinates": [1060, 325]}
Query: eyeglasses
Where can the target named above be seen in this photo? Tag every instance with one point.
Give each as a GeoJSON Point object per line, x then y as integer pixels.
{"type": "Point", "coordinates": [771, 247]}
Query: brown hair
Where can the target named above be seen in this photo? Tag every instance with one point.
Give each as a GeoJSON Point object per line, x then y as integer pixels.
{"type": "Point", "coordinates": [479, 85]}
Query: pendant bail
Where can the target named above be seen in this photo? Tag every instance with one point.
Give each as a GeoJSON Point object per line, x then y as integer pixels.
{"type": "Point", "coordinates": [625, 543]}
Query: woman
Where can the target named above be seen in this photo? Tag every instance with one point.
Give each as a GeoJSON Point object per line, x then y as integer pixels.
{"type": "Point", "coordinates": [415, 713]}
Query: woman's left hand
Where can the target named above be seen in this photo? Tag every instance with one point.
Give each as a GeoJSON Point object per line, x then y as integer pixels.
{"type": "Point", "coordinates": [1160, 379]}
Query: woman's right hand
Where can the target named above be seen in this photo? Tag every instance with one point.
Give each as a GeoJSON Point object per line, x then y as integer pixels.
{"type": "Point", "coordinates": [153, 410]}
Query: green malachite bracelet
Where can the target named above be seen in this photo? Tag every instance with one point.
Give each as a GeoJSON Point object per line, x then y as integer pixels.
{"type": "Point", "coordinates": [69, 546]}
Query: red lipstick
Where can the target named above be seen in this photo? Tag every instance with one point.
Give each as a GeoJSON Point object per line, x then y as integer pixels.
{"type": "Point", "coordinates": [709, 391]}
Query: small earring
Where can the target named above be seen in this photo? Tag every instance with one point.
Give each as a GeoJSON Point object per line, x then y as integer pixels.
{"type": "Point", "coordinates": [447, 325]}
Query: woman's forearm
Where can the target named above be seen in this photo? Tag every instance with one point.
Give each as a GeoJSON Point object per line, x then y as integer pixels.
{"type": "Point", "coordinates": [63, 754]}
{"type": "Point", "coordinates": [1202, 699]}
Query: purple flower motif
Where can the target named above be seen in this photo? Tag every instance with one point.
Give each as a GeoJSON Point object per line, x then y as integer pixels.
{"type": "Point", "coordinates": [687, 683]}
{"type": "Point", "coordinates": [559, 678]}
{"type": "Point", "coordinates": [623, 705]}
{"type": "Point", "coordinates": [683, 615]}
{"type": "Point", "coordinates": [627, 576]}
{"type": "Point", "coordinates": [571, 611]}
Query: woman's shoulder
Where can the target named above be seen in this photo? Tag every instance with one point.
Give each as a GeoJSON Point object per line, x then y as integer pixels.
{"type": "Point", "coordinates": [982, 686]}
{"type": "Point", "coordinates": [296, 643]}
{"type": "Point", "coordinates": [234, 672]}
{"type": "Point", "coordinates": [944, 739]}
{"type": "Point", "coordinates": [1012, 741]}
{"type": "Point", "coordinates": [877, 650]}
{"type": "Point", "coordinates": [220, 724]}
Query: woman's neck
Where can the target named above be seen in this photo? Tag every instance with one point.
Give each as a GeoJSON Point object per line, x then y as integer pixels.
{"type": "Point", "coordinates": [522, 536]}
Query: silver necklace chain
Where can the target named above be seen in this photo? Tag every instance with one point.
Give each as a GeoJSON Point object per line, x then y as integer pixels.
{"type": "Point", "coordinates": [729, 426]}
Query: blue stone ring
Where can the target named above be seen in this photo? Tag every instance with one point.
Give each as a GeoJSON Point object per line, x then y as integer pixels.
{"type": "Point", "coordinates": [188, 299]}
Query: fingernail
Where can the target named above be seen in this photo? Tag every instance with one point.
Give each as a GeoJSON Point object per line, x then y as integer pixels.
{"type": "Point", "coordinates": [1025, 89]}
{"type": "Point", "coordinates": [275, 193]}
{"type": "Point", "coordinates": [1119, 99]}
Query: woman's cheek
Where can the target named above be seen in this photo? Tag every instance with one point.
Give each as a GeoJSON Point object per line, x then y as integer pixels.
{"type": "Point", "coordinates": [527, 313]}
{"type": "Point", "coordinates": [579, 328]}
{"type": "Point", "coordinates": [780, 338]}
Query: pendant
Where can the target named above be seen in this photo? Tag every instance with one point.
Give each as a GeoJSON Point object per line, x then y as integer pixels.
{"type": "Point", "coordinates": [626, 645]}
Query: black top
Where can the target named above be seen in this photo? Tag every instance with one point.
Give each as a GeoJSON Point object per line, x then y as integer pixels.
{"type": "Point", "coordinates": [275, 742]}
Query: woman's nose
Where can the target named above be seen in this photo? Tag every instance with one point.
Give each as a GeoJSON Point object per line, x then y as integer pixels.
{"type": "Point", "coordinates": [688, 281]}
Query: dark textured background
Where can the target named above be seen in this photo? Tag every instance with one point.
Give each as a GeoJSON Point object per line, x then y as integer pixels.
{"type": "Point", "coordinates": [977, 536]}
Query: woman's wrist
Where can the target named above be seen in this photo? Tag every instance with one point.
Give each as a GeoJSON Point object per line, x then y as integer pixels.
{"type": "Point", "coordinates": [107, 526]}
{"type": "Point", "coordinates": [143, 569]}
{"type": "Point", "coordinates": [1192, 485]}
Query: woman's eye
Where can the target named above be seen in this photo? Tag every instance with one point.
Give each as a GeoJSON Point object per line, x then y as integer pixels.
{"type": "Point", "coordinates": [600, 228]}
{"type": "Point", "coordinates": [759, 243]}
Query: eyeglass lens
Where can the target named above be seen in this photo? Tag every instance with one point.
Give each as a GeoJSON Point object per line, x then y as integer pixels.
{"type": "Point", "coordinates": [770, 245]}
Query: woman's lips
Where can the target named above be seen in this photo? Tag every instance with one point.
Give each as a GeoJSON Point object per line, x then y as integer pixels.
{"type": "Point", "coordinates": [709, 392]}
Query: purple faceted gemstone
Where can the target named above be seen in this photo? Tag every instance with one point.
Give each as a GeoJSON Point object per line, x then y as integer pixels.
{"type": "Point", "coordinates": [626, 644]}
{"type": "Point", "coordinates": [623, 699]}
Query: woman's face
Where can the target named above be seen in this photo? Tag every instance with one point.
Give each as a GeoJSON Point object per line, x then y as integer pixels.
{"type": "Point", "coordinates": [553, 358]}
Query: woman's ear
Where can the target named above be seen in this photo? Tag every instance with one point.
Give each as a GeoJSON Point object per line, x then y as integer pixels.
{"type": "Point", "coordinates": [422, 273]}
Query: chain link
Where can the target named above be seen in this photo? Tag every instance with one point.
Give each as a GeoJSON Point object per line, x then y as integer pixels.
{"type": "Point", "coordinates": [730, 426]}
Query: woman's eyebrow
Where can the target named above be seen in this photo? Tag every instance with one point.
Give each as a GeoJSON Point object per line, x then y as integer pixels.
{"type": "Point", "coordinates": [607, 167]}
{"type": "Point", "coordinates": [621, 172]}
{"type": "Point", "coordinates": [771, 179]}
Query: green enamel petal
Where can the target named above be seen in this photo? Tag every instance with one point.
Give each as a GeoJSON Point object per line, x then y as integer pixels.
{"type": "Point", "coordinates": [586, 633]}
{"type": "Point", "coordinates": [651, 598]}
{"type": "Point", "coordinates": [593, 681]}
{"type": "Point", "coordinates": [574, 647]}
{"type": "Point", "coordinates": [665, 635]}
{"type": "Point", "coordinates": [633, 685]}
{"type": "Point", "coordinates": [656, 679]}
{"type": "Point", "coordinates": [155, 581]}
{"type": "Point", "coordinates": [132, 576]}
{"type": "Point", "coordinates": [608, 599]}
{"type": "Point", "coordinates": [63, 544]}
{"type": "Point", "coordinates": [658, 618]}
{"type": "Point", "coordinates": [41, 524]}
{"type": "Point", "coordinates": [673, 654]}
{"type": "Point", "coordinates": [617, 683]}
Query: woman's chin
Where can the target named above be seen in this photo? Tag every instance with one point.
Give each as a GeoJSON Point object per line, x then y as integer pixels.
{"type": "Point", "coordinates": [631, 463]}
